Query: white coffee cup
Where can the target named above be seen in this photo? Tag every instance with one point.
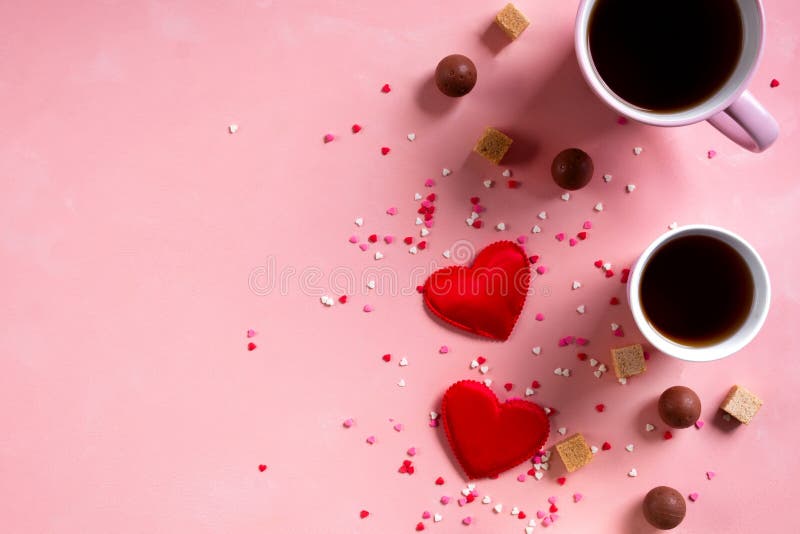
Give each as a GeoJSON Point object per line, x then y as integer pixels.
{"type": "Point", "coordinates": [746, 332]}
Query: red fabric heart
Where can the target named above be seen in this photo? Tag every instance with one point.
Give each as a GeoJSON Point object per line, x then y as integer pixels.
{"type": "Point", "coordinates": [485, 299]}
{"type": "Point", "coordinates": [489, 437]}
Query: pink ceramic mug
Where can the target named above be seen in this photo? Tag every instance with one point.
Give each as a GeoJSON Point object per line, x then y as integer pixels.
{"type": "Point", "coordinates": [732, 109]}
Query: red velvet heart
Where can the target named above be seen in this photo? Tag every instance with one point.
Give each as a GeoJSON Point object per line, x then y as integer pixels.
{"type": "Point", "coordinates": [488, 437]}
{"type": "Point", "coordinates": [485, 299]}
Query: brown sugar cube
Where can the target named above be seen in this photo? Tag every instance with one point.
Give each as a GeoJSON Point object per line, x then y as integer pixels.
{"type": "Point", "coordinates": [493, 145]}
{"type": "Point", "coordinates": [512, 21]}
{"type": "Point", "coordinates": [574, 452]}
{"type": "Point", "coordinates": [741, 404]}
{"type": "Point", "coordinates": [628, 361]}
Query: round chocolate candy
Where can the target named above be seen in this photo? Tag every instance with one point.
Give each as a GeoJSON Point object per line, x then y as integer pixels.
{"type": "Point", "coordinates": [456, 75]}
{"type": "Point", "coordinates": [679, 407]}
{"type": "Point", "coordinates": [572, 168]}
{"type": "Point", "coordinates": [664, 507]}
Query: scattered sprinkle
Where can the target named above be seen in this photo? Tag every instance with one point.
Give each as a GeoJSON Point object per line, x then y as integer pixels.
{"type": "Point", "coordinates": [577, 497]}
{"type": "Point", "coordinates": [774, 83]}
{"type": "Point", "coordinates": [536, 229]}
{"type": "Point", "coordinates": [359, 221]}
{"type": "Point", "coordinates": [347, 423]}
{"type": "Point", "coordinates": [710, 474]}
{"type": "Point", "coordinates": [693, 496]}
{"type": "Point", "coordinates": [328, 138]}
{"type": "Point", "coordinates": [607, 178]}
{"type": "Point", "coordinates": [711, 153]}
{"type": "Point", "coordinates": [363, 514]}
{"type": "Point", "coordinates": [386, 88]}
{"type": "Point", "coordinates": [565, 197]}
{"type": "Point", "coordinates": [576, 284]}
{"type": "Point", "coordinates": [542, 215]}
{"type": "Point", "coordinates": [637, 150]}
{"type": "Point", "coordinates": [667, 435]}
{"type": "Point", "coordinates": [630, 188]}
{"type": "Point", "coordinates": [598, 207]}
{"type": "Point", "coordinates": [411, 136]}
{"type": "Point", "coordinates": [600, 408]}
{"type": "Point", "coordinates": [649, 428]}
{"type": "Point", "coordinates": [385, 150]}
{"type": "Point", "coordinates": [371, 440]}
{"type": "Point", "coordinates": [672, 225]}
{"type": "Point", "coordinates": [629, 447]}
{"type": "Point", "coordinates": [401, 383]}
{"type": "Point", "coordinates": [488, 184]}
{"type": "Point", "coordinates": [251, 346]}
{"type": "Point", "coordinates": [699, 424]}
{"type": "Point", "coordinates": [539, 316]}
{"type": "Point", "coordinates": [500, 226]}
{"type": "Point", "coordinates": [444, 349]}
{"type": "Point", "coordinates": [633, 472]}
{"type": "Point", "coordinates": [446, 172]}
{"type": "Point", "coordinates": [262, 467]}
{"type": "Point", "coordinates": [355, 128]}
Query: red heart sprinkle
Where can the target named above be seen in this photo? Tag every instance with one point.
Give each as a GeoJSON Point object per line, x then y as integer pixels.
{"type": "Point", "coordinates": [387, 357]}
{"type": "Point", "coordinates": [363, 514]}
{"type": "Point", "coordinates": [606, 446]}
{"type": "Point", "coordinates": [439, 481]}
{"type": "Point", "coordinates": [262, 468]}
{"type": "Point", "coordinates": [431, 197]}
{"type": "Point", "coordinates": [598, 263]}
{"type": "Point", "coordinates": [582, 356]}
{"type": "Point", "coordinates": [531, 472]}
{"type": "Point", "coordinates": [420, 289]}
{"type": "Point", "coordinates": [428, 217]}
{"type": "Point", "coordinates": [561, 481]}
{"type": "Point", "coordinates": [774, 83]}
{"type": "Point", "coordinates": [513, 184]}
{"type": "Point", "coordinates": [535, 384]}
{"type": "Point", "coordinates": [477, 224]}
{"type": "Point", "coordinates": [420, 527]}
{"type": "Point", "coordinates": [470, 497]}
{"type": "Point", "coordinates": [408, 240]}
{"type": "Point", "coordinates": [343, 299]}
{"type": "Point", "coordinates": [582, 235]}
{"type": "Point", "coordinates": [553, 508]}
{"type": "Point", "coordinates": [421, 245]}
{"type": "Point", "coordinates": [667, 435]}
{"type": "Point", "coordinates": [600, 407]}
{"type": "Point", "coordinates": [373, 238]}
{"type": "Point", "coordinates": [356, 128]}
{"type": "Point", "coordinates": [410, 469]}
{"type": "Point", "coordinates": [475, 200]}
{"type": "Point", "coordinates": [533, 259]}
{"type": "Point", "coordinates": [614, 301]}
{"type": "Point", "coordinates": [481, 360]}
{"type": "Point", "coordinates": [521, 515]}
{"type": "Point", "coordinates": [385, 150]}
{"type": "Point", "coordinates": [508, 386]}
{"type": "Point", "coordinates": [251, 346]}
{"type": "Point", "coordinates": [609, 273]}
{"type": "Point", "coordinates": [625, 274]}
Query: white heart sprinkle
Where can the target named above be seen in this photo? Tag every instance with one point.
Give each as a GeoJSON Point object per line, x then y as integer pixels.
{"type": "Point", "coordinates": [607, 266]}
{"type": "Point", "coordinates": [637, 150]}
{"type": "Point", "coordinates": [500, 227]}
{"type": "Point", "coordinates": [403, 362]}
{"type": "Point", "coordinates": [529, 392]}
{"type": "Point", "coordinates": [633, 472]}
{"type": "Point", "coordinates": [359, 221]}
{"type": "Point", "coordinates": [630, 188]}
{"type": "Point", "coordinates": [614, 327]}
{"type": "Point", "coordinates": [536, 229]}
{"type": "Point", "coordinates": [486, 499]}
{"type": "Point", "coordinates": [565, 197]}
{"type": "Point", "coordinates": [401, 383]}
{"type": "Point", "coordinates": [598, 374]}
{"type": "Point", "coordinates": [466, 491]}
{"type": "Point", "coordinates": [623, 380]}
{"type": "Point", "coordinates": [498, 508]}
{"type": "Point", "coordinates": [507, 173]}
{"type": "Point", "coordinates": [545, 466]}
{"type": "Point", "coordinates": [592, 362]}
{"type": "Point", "coordinates": [411, 136]}
{"type": "Point", "coordinates": [471, 486]}
{"type": "Point", "coordinates": [542, 215]}
{"type": "Point", "coordinates": [474, 215]}
{"type": "Point", "coordinates": [488, 382]}
{"type": "Point", "coordinates": [515, 511]}
{"type": "Point", "coordinates": [528, 530]}
{"type": "Point", "coordinates": [562, 430]}
{"type": "Point", "coordinates": [473, 364]}
{"type": "Point", "coordinates": [607, 178]}
{"type": "Point", "coordinates": [488, 183]}
{"type": "Point", "coordinates": [371, 284]}
{"type": "Point", "coordinates": [233, 128]}
{"type": "Point", "coordinates": [547, 410]}
{"type": "Point", "coordinates": [378, 256]}
{"type": "Point", "coordinates": [629, 447]}
{"type": "Point", "coordinates": [469, 221]}
{"type": "Point", "coordinates": [602, 368]}
{"type": "Point", "coordinates": [536, 350]}
{"type": "Point", "coordinates": [437, 518]}
{"type": "Point", "coordinates": [567, 372]}
{"type": "Point", "coordinates": [413, 250]}
{"type": "Point", "coordinates": [484, 369]}
{"type": "Point", "coordinates": [581, 309]}
{"type": "Point", "coordinates": [417, 196]}
{"type": "Point", "coordinates": [538, 475]}
{"type": "Point", "coordinates": [326, 300]}
{"type": "Point", "coordinates": [446, 254]}
{"type": "Point", "coordinates": [558, 371]}
{"type": "Point", "coordinates": [598, 206]}
{"type": "Point", "coordinates": [672, 225]}
{"type": "Point", "coordinates": [424, 232]}
{"type": "Point", "coordinates": [649, 427]}
{"type": "Point", "coordinates": [576, 285]}
{"type": "Point", "coordinates": [446, 172]}
{"type": "Point", "coordinates": [433, 416]}
{"type": "Point", "coordinates": [418, 221]}
{"type": "Point", "coordinates": [593, 449]}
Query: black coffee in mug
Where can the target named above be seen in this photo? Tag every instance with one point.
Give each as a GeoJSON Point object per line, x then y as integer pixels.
{"type": "Point", "coordinates": [665, 55]}
{"type": "Point", "coordinates": [696, 290]}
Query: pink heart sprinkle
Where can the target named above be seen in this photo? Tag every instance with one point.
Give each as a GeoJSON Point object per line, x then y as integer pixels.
{"type": "Point", "coordinates": [477, 208]}
{"type": "Point", "coordinates": [467, 520]}
{"type": "Point", "coordinates": [363, 246]}
{"type": "Point", "coordinates": [429, 223]}
{"type": "Point", "coordinates": [521, 477]}
{"type": "Point", "coordinates": [251, 332]}
{"type": "Point", "coordinates": [367, 308]}
{"type": "Point", "coordinates": [552, 499]}
{"type": "Point", "coordinates": [547, 522]}
{"type": "Point", "coordinates": [710, 474]}
{"type": "Point", "coordinates": [429, 182]}
{"type": "Point", "coordinates": [328, 138]}
{"type": "Point", "coordinates": [388, 239]}
{"type": "Point", "coordinates": [560, 236]}
{"type": "Point", "coordinates": [434, 423]}
{"type": "Point", "coordinates": [371, 440]}
{"type": "Point", "coordinates": [693, 496]}
{"type": "Point", "coordinates": [426, 203]}
{"type": "Point", "coordinates": [622, 120]}
{"type": "Point", "coordinates": [444, 499]}
{"type": "Point", "coordinates": [539, 316]}
{"type": "Point", "coordinates": [522, 239]}
{"type": "Point", "coordinates": [426, 515]}
{"type": "Point", "coordinates": [540, 514]}
{"type": "Point", "coordinates": [577, 497]}
{"type": "Point", "coordinates": [398, 427]}
{"type": "Point", "coordinates": [699, 424]}
{"type": "Point", "coordinates": [572, 241]}
{"type": "Point", "coordinates": [462, 501]}
{"type": "Point", "coordinates": [541, 269]}
{"type": "Point", "coordinates": [581, 341]}
{"type": "Point", "coordinates": [619, 333]}
{"type": "Point", "coordinates": [348, 423]}
{"type": "Point", "coordinates": [563, 342]}
{"type": "Point", "coordinates": [553, 517]}
{"type": "Point", "coordinates": [444, 349]}
{"type": "Point", "coordinates": [712, 153]}
{"type": "Point", "coordinates": [353, 239]}
{"type": "Point", "coordinates": [587, 225]}
{"type": "Point", "coordinates": [412, 451]}
{"type": "Point", "coordinates": [537, 459]}
{"type": "Point", "coordinates": [392, 211]}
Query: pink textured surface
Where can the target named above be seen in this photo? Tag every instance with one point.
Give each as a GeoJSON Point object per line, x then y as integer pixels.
{"type": "Point", "coordinates": [131, 222]}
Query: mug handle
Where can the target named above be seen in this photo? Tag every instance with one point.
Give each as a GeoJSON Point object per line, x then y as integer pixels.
{"type": "Point", "coordinates": [747, 123]}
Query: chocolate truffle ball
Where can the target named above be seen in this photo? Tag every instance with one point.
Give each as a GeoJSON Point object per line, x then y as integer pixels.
{"type": "Point", "coordinates": [456, 75]}
{"type": "Point", "coordinates": [572, 168]}
{"type": "Point", "coordinates": [679, 407]}
{"type": "Point", "coordinates": [664, 507]}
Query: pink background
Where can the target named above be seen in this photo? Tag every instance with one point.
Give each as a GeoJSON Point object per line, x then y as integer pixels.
{"type": "Point", "coordinates": [131, 222]}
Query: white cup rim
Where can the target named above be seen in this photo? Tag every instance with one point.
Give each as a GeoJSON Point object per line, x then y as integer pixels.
{"type": "Point", "coordinates": [733, 343]}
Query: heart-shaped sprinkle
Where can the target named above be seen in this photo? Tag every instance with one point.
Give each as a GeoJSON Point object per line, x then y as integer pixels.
{"type": "Point", "coordinates": [359, 221]}
{"type": "Point", "coordinates": [363, 514]}
{"type": "Point", "coordinates": [587, 225]}
{"type": "Point", "coordinates": [467, 520]}
{"type": "Point", "coordinates": [462, 501]}
{"type": "Point", "coordinates": [540, 514]}
{"type": "Point", "coordinates": [600, 408]}
{"type": "Point", "coordinates": [637, 150]}
{"type": "Point", "coordinates": [363, 246]}
{"type": "Point", "coordinates": [593, 449]}
{"type": "Point", "coordinates": [371, 440]}
{"type": "Point", "coordinates": [606, 446]}
{"type": "Point", "coordinates": [437, 518]}
{"type": "Point", "coordinates": [565, 197]}
{"type": "Point", "coordinates": [371, 284]}
{"type": "Point", "coordinates": [538, 475]}
{"type": "Point", "coordinates": [529, 392]}
{"type": "Point", "coordinates": [667, 435]}
{"type": "Point", "coordinates": [581, 309]}
{"type": "Point", "coordinates": [500, 226]}
{"type": "Point", "coordinates": [774, 83]}
{"type": "Point", "coordinates": [403, 362]}
{"type": "Point", "coordinates": [385, 88]}
{"type": "Point", "coordinates": [367, 308]}
{"type": "Point", "coordinates": [262, 467]}
{"type": "Point", "coordinates": [444, 349]}
{"type": "Point", "coordinates": [488, 184]}
{"type": "Point", "coordinates": [411, 136]}
{"type": "Point", "coordinates": [429, 182]}
{"type": "Point", "coordinates": [478, 224]}
{"type": "Point", "coordinates": [560, 236]}
{"type": "Point", "coordinates": [541, 269]}
{"type": "Point", "coordinates": [561, 481]}
{"type": "Point", "coordinates": [484, 369]}
{"type": "Point", "coordinates": [521, 515]}
{"type": "Point", "coordinates": [699, 424]}
{"type": "Point", "coordinates": [373, 238]}
{"type": "Point", "coordinates": [251, 346]}
{"type": "Point", "coordinates": [536, 350]}
{"type": "Point", "coordinates": [598, 207]}
{"type": "Point", "coordinates": [514, 184]}
{"type": "Point", "coordinates": [378, 256]}
{"type": "Point", "coordinates": [515, 511]}
{"type": "Point", "coordinates": [572, 242]}
{"type": "Point", "coordinates": [546, 522]}
{"type": "Point", "coordinates": [582, 235]}
{"type": "Point", "coordinates": [392, 211]}
{"type": "Point", "coordinates": [251, 332]}
{"type": "Point", "coordinates": [327, 139]}
{"type": "Point", "coordinates": [444, 499]}
{"type": "Point", "coordinates": [630, 188]}
{"type": "Point", "coordinates": [498, 508]}
{"type": "Point", "coordinates": [693, 496]}
{"type": "Point", "coordinates": [486, 499]}
{"type": "Point", "coordinates": [577, 497]}
{"type": "Point", "coordinates": [536, 229]}
{"type": "Point", "coordinates": [633, 472]}
{"type": "Point", "coordinates": [355, 128]}
{"type": "Point", "coordinates": [562, 430]}
{"type": "Point", "coordinates": [598, 374]}
{"type": "Point", "coordinates": [649, 428]}
{"type": "Point", "coordinates": [607, 178]}
{"type": "Point", "coordinates": [629, 447]}
{"type": "Point", "coordinates": [508, 386]}
{"type": "Point", "coordinates": [446, 172]}
{"type": "Point", "coordinates": [539, 316]}
{"type": "Point", "coordinates": [385, 150]}
{"type": "Point", "coordinates": [348, 423]}
{"type": "Point", "coordinates": [506, 173]}
{"type": "Point", "coordinates": [542, 215]}
{"type": "Point", "coordinates": [401, 383]}
{"type": "Point", "coordinates": [710, 474]}
{"type": "Point", "coordinates": [420, 527]}
{"type": "Point", "coordinates": [521, 477]}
